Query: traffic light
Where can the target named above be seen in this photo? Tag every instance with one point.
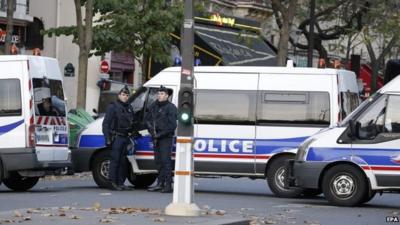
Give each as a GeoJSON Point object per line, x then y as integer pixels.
{"type": "Point", "coordinates": [185, 110]}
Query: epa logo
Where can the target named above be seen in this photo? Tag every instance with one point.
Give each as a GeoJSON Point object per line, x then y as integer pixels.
{"type": "Point", "coordinates": [392, 219]}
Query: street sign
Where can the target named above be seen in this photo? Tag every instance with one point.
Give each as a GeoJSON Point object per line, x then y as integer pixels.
{"type": "Point", "coordinates": [104, 67]}
{"type": "Point", "coordinates": [69, 70]}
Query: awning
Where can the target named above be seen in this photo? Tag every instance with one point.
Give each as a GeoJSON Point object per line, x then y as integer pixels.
{"type": "Point", "coordinates": [237, 47]}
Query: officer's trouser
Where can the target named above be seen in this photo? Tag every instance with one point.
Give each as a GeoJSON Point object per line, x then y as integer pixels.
{"type": "Point", "coordinates": [118, 164]}
{"type": "Point", "coordinates": [162, 159]}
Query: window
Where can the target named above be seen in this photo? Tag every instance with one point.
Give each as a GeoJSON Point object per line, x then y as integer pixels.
{"type": "Point", "coordinates": [49, 97]}
{"type": "Point", "coordinates": [371, 122]}
{"type": "Point", "coordinates": [225, 107]}
{"type": "Point", "coordinates": [10, 97]}
{"type": "Point", "coordinates": [392, 120]}
{"type": "Point", "coordinates": [4, 5]}
{"type": "Point", "coordinates": [349, 101]}
{"type": "Point", "coordinates": [302, 108]}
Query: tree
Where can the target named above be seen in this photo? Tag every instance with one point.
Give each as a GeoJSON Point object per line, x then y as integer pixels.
{"type": "Point", "coordinates": [83, 37]}
{"type": "Point", "coordinates": [10, 26]}
{"type": "Point", "coordinates": [334, 19]}
{"type": "Point", "coordinates": [381, 32]}
{"type": "Point", "coordinates": [284, 17]}
{"type": "Point", "coordinates": [85, 33]}
{"type": "Point", "coordinates": [141, 28]}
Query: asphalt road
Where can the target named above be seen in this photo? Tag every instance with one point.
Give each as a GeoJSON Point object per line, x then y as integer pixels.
{"type": "Point", "coordinates": [219, 197]}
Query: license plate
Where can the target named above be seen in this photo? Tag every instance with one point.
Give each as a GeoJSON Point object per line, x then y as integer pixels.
{"type": "Point", "coordinates": [44, 135]}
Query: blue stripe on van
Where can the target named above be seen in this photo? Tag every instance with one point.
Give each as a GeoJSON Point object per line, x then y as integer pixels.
{"type": "Point", "coordinates": [92, 141]}
{"type": "Point", "coordinates": [9, 127]}
{"type": "Point", "coordinates": [211, 145]}
{"type": "Point", "coordinates": [371, 156]}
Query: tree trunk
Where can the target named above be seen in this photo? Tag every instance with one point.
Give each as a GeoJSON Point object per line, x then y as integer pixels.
{"type": "Point", "coordinates": [85, 33]}
{"type": "Point", "coordinates": [283, 45]}
{"type": "Point", "coordinates": [82, 79]}
{"type": "Point", "coordinates": [374, 75]}
{"type": "Point", "coordinates": [287, 15]}
{"type": "Point", "coordinates": [10, 26]}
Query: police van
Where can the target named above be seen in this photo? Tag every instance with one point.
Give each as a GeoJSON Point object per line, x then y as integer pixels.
{"type": "Point", "coordinates": [247, 121]}
{"type": "Point", "coordinates": [359, 157]}
{"type": "Point", "coordinates": [33, 123]}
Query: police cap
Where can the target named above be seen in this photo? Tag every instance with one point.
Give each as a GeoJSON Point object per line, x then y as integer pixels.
{"type": "Point", "coordinates": [168, 91]}
{"type": "Point", "coordinates": [125, 90]}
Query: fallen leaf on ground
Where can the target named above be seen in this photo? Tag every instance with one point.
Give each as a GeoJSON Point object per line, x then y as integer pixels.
{"type": "Point", "coordinates": [159, 219]}
{"type": "Point", "coordinates": [17, 213]}
{"type": "Point", "coordinates": [74, 217]}
{"type": "Point", "coordinates": [96, 206]}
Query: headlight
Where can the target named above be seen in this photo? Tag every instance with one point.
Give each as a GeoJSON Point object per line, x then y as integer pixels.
{"type": "Point", "coordinates": [303, 150]}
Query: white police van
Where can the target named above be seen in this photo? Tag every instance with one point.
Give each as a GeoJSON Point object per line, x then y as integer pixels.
{"type": "Point", "coordinates": [359, 157]}
{"type": "Point", "coordinates": [246, 120]}
{"type": "Point", "coordinates": [33, 123]}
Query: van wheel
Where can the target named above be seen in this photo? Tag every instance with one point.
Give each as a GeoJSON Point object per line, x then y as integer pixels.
{"type": "Point", "coordinates": [1, 172]}
{"type": "Point", "coordinates": [141, 181]}
{"type": "Point", "coordinates": [18, 183]}
{"type": "Point", "coordinates": [275, 177]}
{"type": "Point", "coordinates": [344, 185]}
{"type": "Point", "coordinates": [368, 197]}
{"type": "Point", "coordinates": [100, 169]}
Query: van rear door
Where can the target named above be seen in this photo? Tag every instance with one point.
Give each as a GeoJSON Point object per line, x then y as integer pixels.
{"type": "Point", "coordinates": [50, 119]}
{"type": "Point", "coordinates": [12, 114]}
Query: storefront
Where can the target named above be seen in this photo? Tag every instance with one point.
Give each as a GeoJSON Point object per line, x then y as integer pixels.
{"type": "Point", "coordinates": [223, 41]}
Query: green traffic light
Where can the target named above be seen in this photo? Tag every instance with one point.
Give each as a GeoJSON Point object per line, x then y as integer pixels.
{"type": "Point", "coordinates": [185, 116]}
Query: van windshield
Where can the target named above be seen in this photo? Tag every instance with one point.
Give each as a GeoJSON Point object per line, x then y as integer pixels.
{"type": "Point", "coordinates": [359, 109]}
{"type": "Point", "coordinates": [49, 97]}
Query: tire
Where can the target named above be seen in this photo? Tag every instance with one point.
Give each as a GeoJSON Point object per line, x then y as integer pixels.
{"type": "Point", "coordinates": [141, 181]}
{"type": "Point", "coordinates": [18, 183]}
{"type": "Point", "coordinates": [100, 169]}
{"type": "Point", "coordinates": [275, 177]}
{"type": "Point", "coordinates": [1, 172]}
{"type": "Point", "coordinates": [345, 185]}
{"type": "Point", "coordinates": [368, 197]}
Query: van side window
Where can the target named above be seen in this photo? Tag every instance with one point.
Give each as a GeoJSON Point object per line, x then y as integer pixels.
{"type": "Point", "coordinates": [49, 97]}
{"type": "Point", "coordinates": [10, 97]}
{"type": "Point", "coordinates": [293, 108]}
{"type": "Point", "coordinates": [225, 107]}
{"type": "Point", "coordinates": [392, 120]}
{"type": "Point", "coordinates": [371, 122]}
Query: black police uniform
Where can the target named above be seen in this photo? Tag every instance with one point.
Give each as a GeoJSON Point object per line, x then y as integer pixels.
{"type": "Point", "coordinates": [117, 125]}
{"type": "Point", "coordinates": [161, 123]}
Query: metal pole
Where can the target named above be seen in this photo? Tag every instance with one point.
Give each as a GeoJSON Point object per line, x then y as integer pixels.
{"type": "Point", "coordinates": [311, 34]}
{"type": "Point", "coordinates": [182, 203]}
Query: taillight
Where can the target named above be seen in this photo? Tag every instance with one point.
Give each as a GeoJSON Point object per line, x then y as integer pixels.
{"type": "Point", "coordinates": [31, 136]}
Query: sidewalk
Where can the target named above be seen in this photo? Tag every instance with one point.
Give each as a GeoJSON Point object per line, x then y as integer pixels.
{"type": "Point", "coordinates": [120, 216]}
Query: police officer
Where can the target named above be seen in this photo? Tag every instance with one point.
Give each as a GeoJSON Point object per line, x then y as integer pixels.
{"type": "Point", "coordinates": [161, 124]}
{"type": "Point", "coordinates": [117, 125]}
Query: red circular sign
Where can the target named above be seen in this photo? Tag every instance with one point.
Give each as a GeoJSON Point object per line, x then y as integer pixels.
{"type": "Point", "coordinates": [104, 67]}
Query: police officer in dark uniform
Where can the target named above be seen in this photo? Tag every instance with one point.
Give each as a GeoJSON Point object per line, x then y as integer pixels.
{"type": "Point", "coordinates": [117, 126]}
{"type": "Point", "coordinates": [161, 124]}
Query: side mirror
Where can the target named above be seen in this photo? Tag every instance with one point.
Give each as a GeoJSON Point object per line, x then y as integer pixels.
{"type": "Point", "coordinates": [353, 129]}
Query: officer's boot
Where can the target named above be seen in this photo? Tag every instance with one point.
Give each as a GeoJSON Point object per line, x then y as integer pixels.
{"type": "Point", "coordinates": [167, 188]}
{"type": "Point", "coordinates": [158, 187]}
{"type": "Point", "coordinates": [115, 187]}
